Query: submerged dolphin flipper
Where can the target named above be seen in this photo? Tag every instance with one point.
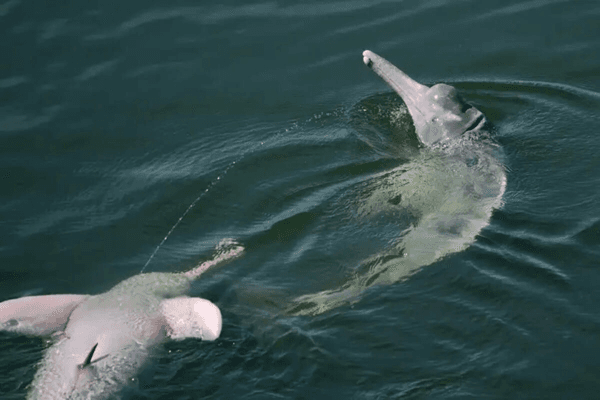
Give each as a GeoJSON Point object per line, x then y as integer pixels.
{"type": "Point", "coordinates": [38, 315]}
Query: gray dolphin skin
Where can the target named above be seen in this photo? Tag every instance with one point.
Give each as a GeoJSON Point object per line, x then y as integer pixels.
{"type": "Point", "coordinates": [101, 342]}
{"type": "Point", "coordinates": [450, 188]}
{"type": "Point", "coordinates": [438, 113]}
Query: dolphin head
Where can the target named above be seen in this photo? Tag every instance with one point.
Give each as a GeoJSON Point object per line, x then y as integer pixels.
{"type": "Point", "coordinates": [439, 113]}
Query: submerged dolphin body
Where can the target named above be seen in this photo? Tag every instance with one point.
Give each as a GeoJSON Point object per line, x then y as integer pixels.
{"type": "Point", "coordinates": [451, 187]}
{"type": "Point", "coordinates": [101, 342]}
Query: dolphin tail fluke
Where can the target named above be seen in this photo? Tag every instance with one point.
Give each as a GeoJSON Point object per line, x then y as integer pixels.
{"type": "Point", "coordinates": [227, 250]}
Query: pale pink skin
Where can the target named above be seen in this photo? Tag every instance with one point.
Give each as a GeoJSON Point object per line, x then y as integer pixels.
{"type": "Point", "coordinates": [125, 323]}
{"type": "Point", "coordinates": [38, 315]}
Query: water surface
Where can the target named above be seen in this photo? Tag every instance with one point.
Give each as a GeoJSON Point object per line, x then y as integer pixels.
{"type": "Point", "coordinates": [115, 118]}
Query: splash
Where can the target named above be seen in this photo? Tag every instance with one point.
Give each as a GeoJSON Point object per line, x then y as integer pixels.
{"type": "Point", "coordinates": [190, 207]}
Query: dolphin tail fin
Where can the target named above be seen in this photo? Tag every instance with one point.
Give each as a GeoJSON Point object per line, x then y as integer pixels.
{"type": "Point", "coordinates": [227, 250]}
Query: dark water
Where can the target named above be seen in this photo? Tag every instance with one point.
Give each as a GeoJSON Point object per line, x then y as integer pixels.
{"type": "Point", "coordinates": [116, 117]}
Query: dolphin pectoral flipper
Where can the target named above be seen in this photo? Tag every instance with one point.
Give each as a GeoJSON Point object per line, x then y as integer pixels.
{"type": "Point", "coordinates": [38, 315]}
{"type": "Point", "coordinates": [192, 317]}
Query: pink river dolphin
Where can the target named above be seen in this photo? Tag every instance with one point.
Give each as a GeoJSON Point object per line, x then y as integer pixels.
{"type": "Point", "coordinates": [101, 342]}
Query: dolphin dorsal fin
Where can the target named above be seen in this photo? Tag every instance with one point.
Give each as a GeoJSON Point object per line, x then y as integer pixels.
{"type": "Point", "coordinates": [88, 359]}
